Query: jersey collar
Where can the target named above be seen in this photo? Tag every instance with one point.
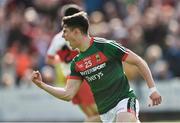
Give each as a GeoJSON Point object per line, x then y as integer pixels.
{"type": "Point", "coordinates": [91, 41]}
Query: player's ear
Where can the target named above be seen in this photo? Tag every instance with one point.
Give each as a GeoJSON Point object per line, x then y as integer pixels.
{"type": "Point", "coordinates": [77, 31]}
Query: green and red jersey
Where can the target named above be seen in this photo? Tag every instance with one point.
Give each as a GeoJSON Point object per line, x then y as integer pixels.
{"type": "Point", "coordinates": [101, 66]}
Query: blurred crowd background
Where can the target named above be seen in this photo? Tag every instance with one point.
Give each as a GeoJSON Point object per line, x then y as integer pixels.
{"type": "Point", "coordinates": [150, 28]}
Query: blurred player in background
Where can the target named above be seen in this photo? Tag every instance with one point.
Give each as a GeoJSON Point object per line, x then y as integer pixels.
{"type": "Point", "coordinates": [60, 55]}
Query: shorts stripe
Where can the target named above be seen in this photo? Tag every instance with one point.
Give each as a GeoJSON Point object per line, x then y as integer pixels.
{"type": "Point", "coordinates": [131, 106]}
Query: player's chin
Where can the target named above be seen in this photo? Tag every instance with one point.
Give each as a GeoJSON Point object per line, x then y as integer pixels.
{"type": "Point", "coordinates": [72, 46]}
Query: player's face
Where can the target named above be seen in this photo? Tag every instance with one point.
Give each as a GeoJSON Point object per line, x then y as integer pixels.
{"type": "Point", "coordinates": [70, 36]}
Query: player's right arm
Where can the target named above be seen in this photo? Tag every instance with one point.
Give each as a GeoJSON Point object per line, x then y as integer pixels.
{"type": "Point", "coordinates": [66, 93]}
{"type": "Point", "coordinates": [145, 72]}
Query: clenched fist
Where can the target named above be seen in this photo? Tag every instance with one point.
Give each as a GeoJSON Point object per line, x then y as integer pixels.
{"type": "Point", "coordinates": [36, 78]}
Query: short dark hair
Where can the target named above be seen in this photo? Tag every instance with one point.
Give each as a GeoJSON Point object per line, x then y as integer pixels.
{"type": "Point", "coordinates": [70, 9]}
{"type": "Point", "coordinates": [78, 20]}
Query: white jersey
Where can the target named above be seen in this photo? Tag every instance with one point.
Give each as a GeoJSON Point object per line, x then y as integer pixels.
{"type": "Point", "coordinates": [57, 43]}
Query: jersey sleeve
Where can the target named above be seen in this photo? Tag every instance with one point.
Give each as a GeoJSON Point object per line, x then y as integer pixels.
{"type": "Point", "coordinates": [74, 74]}
{"type": "Point", "coordinates": [116, 50]}
{"type": "Point", "coordinates": [56, 44]}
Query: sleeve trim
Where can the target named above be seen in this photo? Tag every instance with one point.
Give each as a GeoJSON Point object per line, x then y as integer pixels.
{"type": "Point", "coordinates": [74, 77]}
{"type": "Point", "coordinates": [125, 56]}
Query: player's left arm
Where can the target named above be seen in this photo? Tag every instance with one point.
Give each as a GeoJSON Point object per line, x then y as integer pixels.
{"type": "Point", "coordinates": [145, 72]}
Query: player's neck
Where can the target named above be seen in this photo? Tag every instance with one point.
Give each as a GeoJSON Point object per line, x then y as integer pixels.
{"type": "Point", "coordinates": [85, 43]}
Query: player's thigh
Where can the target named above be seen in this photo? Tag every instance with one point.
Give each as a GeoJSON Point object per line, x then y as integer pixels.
{"type": "Point", "coordinates": [126, 117]}
{"type": "Point", "coordinates": [127, 110]}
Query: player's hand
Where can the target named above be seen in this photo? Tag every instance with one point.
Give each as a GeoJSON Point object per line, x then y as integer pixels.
{"type": "Point", "coordinates": [156, 99]}
{"type": "Point", "coordinates": [36, 78]}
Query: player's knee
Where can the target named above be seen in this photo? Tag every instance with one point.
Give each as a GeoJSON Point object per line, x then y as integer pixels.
{"type": "Point", "coordinates": [132, 118]}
